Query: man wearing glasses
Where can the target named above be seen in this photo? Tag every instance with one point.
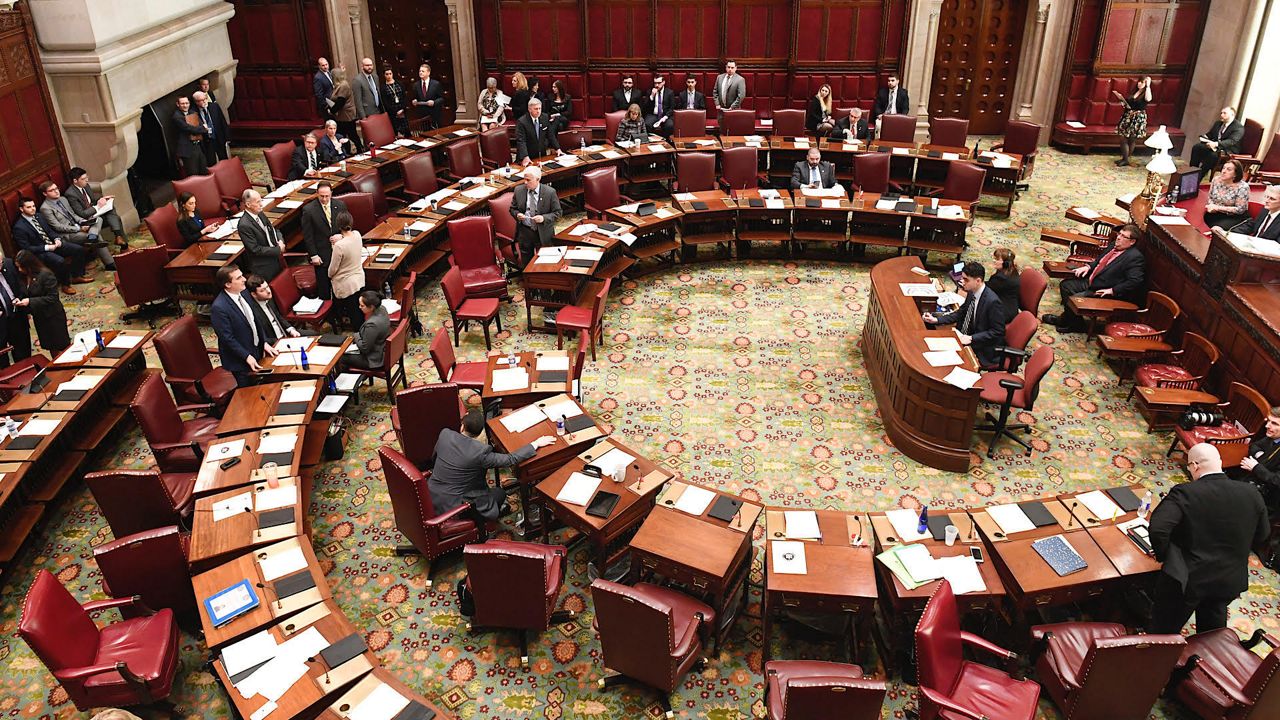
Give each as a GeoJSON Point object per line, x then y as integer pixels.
{"type": "Point", "coordinates": [659, 107]}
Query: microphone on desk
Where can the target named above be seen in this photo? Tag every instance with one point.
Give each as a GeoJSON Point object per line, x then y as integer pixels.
{"type": "Point", "coordinates": [857, 539]}
{"type": "Point", "coordinates": [973, 529]}
{"type": "Point", "coordinates": [313, 659]}
{"type": "Point", "coordinates": [1233, 227]}
{"type": "Point", "coordinates": [279, 605]}
{"type": "Point", "coordinates": [1071, 514]}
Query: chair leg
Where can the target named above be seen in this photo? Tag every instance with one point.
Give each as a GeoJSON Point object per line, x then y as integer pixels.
{"type": "Point", "coordinates": [1172, 446]}
{"type": "Point", "coordinates": [559, 337]}
{"type": "Point", "coordinates": [487, 344]}
{"type": "Point", "coordinates": [524, 649]}
{"type": "Point", "coordinates": [592, 339]}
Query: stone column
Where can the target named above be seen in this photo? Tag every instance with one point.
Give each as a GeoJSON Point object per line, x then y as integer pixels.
{"type": "Point", "coordinates": [466, 62]}
{"type": "Point", "coordinates": [1030, 62]}
{"type": "Point", "coordinates": [1230, 33]}
{"type": "Point", "coordinates": [917, 61]}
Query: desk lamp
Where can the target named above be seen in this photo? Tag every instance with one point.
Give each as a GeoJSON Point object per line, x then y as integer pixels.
{"type": "Point", "coordinates": [1161, 163]}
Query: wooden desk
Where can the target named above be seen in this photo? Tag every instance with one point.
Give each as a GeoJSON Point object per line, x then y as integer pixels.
{"type": "Point", "coordinates": [387, 686]}
{"type": "Point", "coordinates": [614, 243]}
{"type": "Point", "coordinates": [759, 222]}
{"type": "Point", "coordinates": [1163, 406]}
{"type": "Point", "coordinates": [1093, 309]}
{"type": "Point", "coordinates": [648, 162]}
{"type": "Point", "coordinates": [537, 389]}
{"type": "Point", "coordinates": [52, 399]}
{"type": "Point", "coordinates": [258, 407]}
{"type": "Point", "coordinates": [553, 284]}
{"type": "Point", "coordinates": [115, 353]}
{"type": "Point", "coordinates": [212, 478]}
{"type": "Point", "coordinates": [285, 366]}
{"type": "Point", "coordinates": [60, 420]}
{"type": "Point", "coordinates": [655, 234]}
{"type": "Point", "coordinates": [215, 541]}
{"type": "Point", "coordinates": [1130, 351]}
{"type": "Point", "coordinates": [193, 271]}
{"type": "Point", "coordinates": [1033, 584]}
{"type": "Point", "coordinates": [1129, 561]}
{"type": "Point", "coordinates": [708, 218]}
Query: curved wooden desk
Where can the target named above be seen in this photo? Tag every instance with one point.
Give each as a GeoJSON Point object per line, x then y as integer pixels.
{"type": "Point", "coordinates": [928, 419]}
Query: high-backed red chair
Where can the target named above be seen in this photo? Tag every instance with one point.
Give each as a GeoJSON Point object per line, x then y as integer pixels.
{"type": "Point", "coordinates": [1149, 323]}
{"type": "Point", "coordinates": [788, 123]}
{"type": "Point", "coordinates": [1031, 285]}
{"type": "Point", "coordinates": [471, 245]}
{"type": "Point", "coordinates": [953, 687]}
{"type": "Point", "coordinates": [428, 409]}
{"type": "Point", "coordinates": [464, 158]}
{"type": "Point", "coordinates": [1186, 369]}
{"type": "Point", "coordinates": [364, 215]}
{"type": "Point", "coordinates": [143, 284]}
{"type": "Point", "coordinates": [612, 121]}
{"type": "Point", "coordinates": [187, 368]}
{"type": "Point", "coordinates": [175, 443]}
{"type": "Point", "coordinates": [370, 182]}
{"type": "Point", "coordinates": [738, 122]}
{"type": "Point", "coordinates": [131, 662]}
{"type": "Point", "coordinates": [208, 199]}
{"type": "Point", "coordinates": [1243, 413]}
{"type": "Point", "coordinates": [953, 132]}
{"type": "Point", "coordinates": [1269, 171]}
{"type": "Point", "coordinates": [1099, 671]}
{"type": "Point", "coordinates": [649, 634]}
{"type": "Point", "coordinates": [1021, 138]}
{"type": "Point", "coordinates": [689, 123]}
{"type": "Point", "coordinates": [1250, 144]}
{"type": "Point", "coordinates": [162, 223]}
{"type": "Point", "coordinates": [600, 188]}
{"type": "Point", "coordinates": [232, 180]}
{"type": "Point", "coordinates": [18, 374]}
{"type": "Point", "coordinates": [871, 173]}
{"type": "Point", "coordinates": [964, 183]}
{"type": "Point", "coordinates": [515, 585]}
{"type": "Point", "coordinates": [463, 309]}
{"type": "Point", "coordinates": [695, 171]}
{"type": "Point", "coordinates": [392, 369]}
{"type": "Point", "coordinates": [132, 501]}
{"type": "Point", "coordinates": [573, 138]}
{"type": "Point", "coordinates": [1220, 677]}
{"type": "Point", "coordinates": [495, 147]}
{"type": "Point", "coordinates": [504, 227]}
{"type": "Point", "coordinates": [408, 300]}
{"type": "Point", "coordinates": [285, 292]}
{"type": "Point", "coordinates": [151, 564]}
{"type": "Point", "coordinates": [1010, 391]}
{"type": "Point", "coordinates": [279, 159]}
{"type": "Point", "coordinates": [377, 130]}
{"type": "Point", "coordinates": [469, 375]}
{"type": "Point", "coordinates": [419, 175]}
{"type": "Point", "coordinates": [430, 534]}
{"type": "Point", "coordinates": [897, 128]}
{"type": "Point", "coordinates": [740, 169]}
{"type": "Point", "coordinates": [590, 320]}
{"type": "Point", "coordinates": [1017, 333]}
{"type": "Point", "coordinates": [816, 690]}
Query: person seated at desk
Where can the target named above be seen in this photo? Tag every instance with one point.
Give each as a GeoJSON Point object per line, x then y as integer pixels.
{"type": "Point", "coordinates": [268, 317]}
{"type": "Point", "coordinates": [191, 226]}
{"type": "Point", "coordinates": [980, 319]}
{"type": "Point", "coordinates": [659, 106]}
{"type": "Point", "coordinates": [813, 172]}
{"type": "Point", "coordinates": [1120, 274]}
{"type": "Point", "coordinates": [371, 338]}
{"type": "Point", "coordinates": [1224, 137]}
{"type": "Point", "coordinates": [66, 259]}
{"type": "Point", "coordinates": [1228, 203]}
{"type": "Point", "coordinates": [463, 459]}
{"type": "Point", "coordinates": [307, 160]}
{"type": "Point", "coordinates": [817, 119]}
{"type": "Point", "coordinates": [856, 120]}
{"type": "Point", "coordinates": [241, 343]}
{"type": "Point", "coordinates": [334, 147]}
{"type": "Point", "coordinates": [533, 135]}
{"type": "Point", "coordinates": [1005, 282]}
{"type": "Point", "coordinates": [559, 107]}
{"type": "Point", "coordinates": [690, 98]}
{"type": "Point", "coordinates": [632, 127]}
{"type": "Point", "coordinates": [1261, 466]}
{"type": "Point", "coordinates": [1266, 224]}
{"type": "Point", "coordinates": [627, 95]}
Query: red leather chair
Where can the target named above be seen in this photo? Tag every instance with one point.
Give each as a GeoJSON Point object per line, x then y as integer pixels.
{"type": "Point", "coordinates": [589, 320]}
{"type": "Point", "coordinates": [495, 147]}
{"type": "Point", "coordinates": [613, 120]}
{"type": "Point", "coordinates": [142, 283]}
{"type": "Point", "coordinates": [187, 368]}
{"type": "Point", "coordinates": [464, 158]}
{"type": "Point", "coordinates": [17, 375]}
{"type": "Point", "coordinates": [429, 409]}
{"type": "Point", "coordinates": [1021, 138]}
{"type": "Point", "coordinates": [469, 375]}
{"type": "Point", "coordinates": [1269, 171]}
{"type": "Point", "coordinates": [695, 171]}
{"type": "Point", "coordinates": [364, 217]}
{"type": "Point", "coordinates": [131, 662]}
{"type": "Point", "coordinates": [408, 301]}
{"type": "Point", "coordinates": [376, 130]}
{"type": "Point", "coordinates": [600, 188]}
{"type": "Point", "coordinates": [649, 634]}
{"type": "Point", "coordinates": [419, 175]}
{"type": "Point", "coordinates": [1149, 323]}
{"type": "Point", "coordinates": [1031, 285]}
{"type": "Point", "coordinates": [897, 128]}
{"type": "Point", "coordinates": [574, 138]}
{"type": "Point", "coordinates": [1219, 677]}
{"type": "Point", "coordinates": [431, 534]}
{"type": "Point", "coordinates": [788, 123]}
{"type": "Point", "coordinates": [871, 173]}
{"type": "Point", "coordinates": [464, 309]}
{"type": "Point", "coordinates": [504, 227]}
{"type": "Point", "coordinates": [688, 123]}
{"type": "Point", "coordinates": [285, 292]}
{"type": "Point", "coordinates": [175, 443]}
{"type": "Point", "coordinates": [952, 687]}
{"type": "Point", "coordinates": [1099, 671]}
{"type": "Point", "coordinates": [279, 159]}
{"type": "Point", "coordinates": [392, 370]}
{"type": "Point", "coordinates": [151, 564]}
{"type": "Point", "coordinates": [471, 245]}
{"type": "Point", "coordinates": [815, 690]}
{"type": "Point", "coordinates": [740, 169]}
{"type": "Point", "coordinates": [953, 132]}
{"type": "Point", "coordinates": [1250, 144]}
{"type": "Point", "coordinates": [1187, 368]}
{"type": "Point", "coordinates": [1017, 333]}
{"type": "Point", "coordinates": [737, 122]}
{"type": "Point", "coordinates": [515, 585]}
{"type": "Point", "coordinates": [133, 501]}
{"type": "Point", "coordinates": [1010, 391]}
{"type": "Point", "coordinates": [232, 181]}
{"type": "Point", "coordinates": [162, 223]}
{"type": "Point", "coordinates": [964, 183]}
{"type": "Point", "coordinates": [1244, 413]}
{"type": "Point", "coordinates": [208, 198]}
{"type": "Point", "coordinates": [371, 182]}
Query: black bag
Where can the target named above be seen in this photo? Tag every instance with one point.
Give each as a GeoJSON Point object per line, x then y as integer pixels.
{"type": "Point", "coordinates": [335, 443]}
{"type": "Point", "coordinates": [466, 603]}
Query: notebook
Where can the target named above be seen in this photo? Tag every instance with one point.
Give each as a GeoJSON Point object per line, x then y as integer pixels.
{"type": "Point", "coordinates": [1059, 554]}
{"type": "Point", "coordinates": [725, 508]}
{"type": "Point", "coordinates": [698, 205]}
{"type": "Point", "coordinates": [332, 340]}
{"type": "Point", "coordinates": [602, 504]}
{"type": "Point", "coordinates": [755, 202]}
{"type": "Point", "coordinates": [1037, 513]}
{"type": "Point", "coordinates": [1125, 498]}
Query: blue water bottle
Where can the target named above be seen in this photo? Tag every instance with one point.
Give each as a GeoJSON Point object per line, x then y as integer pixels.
{"type": "Point", "coordinates": [924, 519]}
{"type": "Point", "coordinates": [302, 354]}
{"type": "Point", "coordinates": [97, 337]}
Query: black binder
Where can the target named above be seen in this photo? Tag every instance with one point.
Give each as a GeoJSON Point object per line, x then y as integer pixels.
{"type": "Point", "coordinates": [755, 202]}
{"type": "Point", "coordinates": [578, 422]}
{"type": "Point", "coordinates": [70, 395]}
{"type": "Point", "coordinates": [272, 518]}
{"type": "Point", "coordinates": [938, 525]}
{"type": "Point", "coordinates": [292, 408]}
{"type": "Point", "coordinates": [332, 339]}
{"type": "Point", "coordinates": [1037, 513]}
{"type": "Point", "coordinates": [283, 459]}
{"type": "Point", "coordinates": [1125, 498]}
{"type": "Point", "coordinates": [24, 442]}
{"type": "Point", "coordinates": [343, 650]}
{"type": "Point", "coordinates": [550, 376]}
{"type": "Point", "coordinates": [293, 584]}
{"type": "Point", "coordinates": [219, 256]}
{"type": "Point", "coordinates": [602, 504]}
{"type": "Point", "coordinates": [415, 711]}
{"type": "Point", "coordinates": [110, 352]}
{"type": "Point", "coordinates": [698, 205]}
{"type": "Point", "coordinates": [725, 508]}
{"type": "Point", "coordinates": [812, 202]}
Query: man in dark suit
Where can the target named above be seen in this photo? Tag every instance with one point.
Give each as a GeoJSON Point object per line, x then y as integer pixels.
{"type": "Point", "coordinates": [72, 226]}
{"type": "Point", "coordinates": [86, 202]}
{"type": "Point", "coordinates": [1261, 466]}
{"type": "Point", "coordinates": [624, 96]}
{"type": "Point", "coordinates": [891, 99]}
{"type": "Point", "coordinates": [813, 172]}
{"type": "Point", "coordinates": [367, 88]}
{"type": "Point", "coordinates": [334, 147]}
{"type": "Point", "coordinates": [534, 137]}
{"type": "Point", "coordinates": [240, 341]}
{"type": "Point", "coordinates": [463, 461]}
{"type": "Point", "coordinates": [203, 86]}
{"type": "Point", "coordinates": [371, 338]}
{"type": "Point", "coordinates": [322, 88]}
{"type": "Point", "coordinates": [856, 120]}
{"type": "Point", "coordinates": [1266, 224]}
{"type": "Point", "coordinates": [1120, 274]}
{"type": "Point", "coordinates": [658, 108]}
{"type": "Point", "coordinates": [979, 321]}
{"type": "Point", "coordinates": [263, 244]}
{"type": "Point", "coordinates": [317, 229]}
{"type": "Point", "coordinates": [306, 161]}
{"type": "Point", "coordinates": [428, 96]}
{"type": "Point", "coordinates": [266, 314]}
{"type": "Point", "coordinates": [1224, 137]}
{"type": "Point", "coordinates": [1202, 532]}
{"type": "Point", "coordinates": [65, 259]}
{"type": "Point", "coordinates": [536, 208]}
{"type": "Point", "coordinates": [190, 139]}
{"type": "Point", "coordinates": [215, 145]}
{"type": "Point", "coordinates": [690, 98]}
{"type": "Point", "coordinates": [15, 329]}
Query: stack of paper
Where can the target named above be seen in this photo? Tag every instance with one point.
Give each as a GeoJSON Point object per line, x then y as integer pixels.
{"type": "Point", "coordinates": [480, 191]}
{"type": "Point", "coordinates": [421, 226]}
{"type": "Point", "coordinates": [455, 205]}
{"type": "Point", "coordinates": [962, 572]}
{"type": "Point", "coordinates": [391, 306]}
{"type": "Point", "coordinates": [950, 212]}
{"type": "Point", "coordinates": [307, 306]}
{"type": "Point", "coordinates": [613, 461]}
{"type": "Point", "coordinates": [943, 358]}
{"type": "Point", "coordinates": [768, 193]}
{"type": "Point", "coordinates": [292, 344]}
{"type": "Point", "coordinates": [277, 442]}
{"type": "Point", "coordinates": [1168, 220]}
{"type": "Point", "coordinates": [656, 148]}
{"type": "Point", "coordinates": [523, 419]}
{"type": "Point", "coordinates": [583, 229]}
{"type": "Point", "coordinates": [665, 212]}
{"type": "Point", "coordinates": [381, 704]}
{"type": "Point", "coordinates": [694, 500]}
{"type": "Point", "coordinates": [420, 204]}
{"type": "Point", "coordinates": [802, 525]}
{"type": "Point", "coordinates": [913, 565]}
{"type": "Point", "coordinates": [274, 679]}
{"type": "Point", "coordinates": [516, 378]}
{"type": "Point", "coordinates": [332, 404]}
{"type": "Point", "coordinates": [322, 355]}
{"type": "Point", "coordinates": [950, 156]}
{"type": "Point", "coordinates": [551, 255]}
{"type": "Point", "coordinates": [288, 204]}
{"type": "Point", "coordinates": [578, 489]}
{"type": "Point", "coordinates": [1087, 213]}
{"type": "Point", "coordinates": [774, 204]}
{"type": "Point", "coordinates": [298, 393]}
{"type": "Point", "coordinates": [72, 354]}
{"type": "Point", "coordinates": [223, 230]}
{"type": "Point", "coordinates": [1010, 518]}
{"type": "Point", "coordinates": [565, 408]}
{"type": "Point", "coordinates": [938, 344]}
{"type": "Point", "coordinates": [905, 523]}
{"type": "Point", "coordinates": [788, 558]}
{"type": "Point", "coordinates": [253, 650]}
{"type": "Point", "coordinates": [962, 378]}
{"type": "Point", "coordinates": [273, 498]}
{"type": "Point", "coordinates": [346, 382]}
{"type": "Point", "coordinates": [405, 142]}
{"type": "Point", "coordinates": [611, 154]}
{"type": "Point", "coordinates": [81, 382]}
{"type": "Point", "coordinates": [1100, 505]}
{"type": "Point", "coordinates": [552, 362]}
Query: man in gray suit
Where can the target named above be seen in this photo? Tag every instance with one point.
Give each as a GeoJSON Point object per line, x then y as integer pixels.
{"type": "Point", "coordinates": [367, 90]}
{"type": "Point", "coordinates": [462, 462]}
{"type": "Point", "coordinates": [730, 89]}
{"type": "Point", "coordinates": [813, 172]}
{"type": "Point", "coordinates": [371, 338]}
{"type": "Point", "coordinates": [72, 226]}
{"type": "Point", "coordinates": [536, 208]}
{"type": "Point", "coordinates": [85, 202]}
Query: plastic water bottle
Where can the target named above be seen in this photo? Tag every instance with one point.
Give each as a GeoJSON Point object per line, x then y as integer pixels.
{"type": "Point", "coordinates": [582, 144]}
{"type": "Point", "coordinates": [408, 234]}
{"type": "Point", "coordinates": [1145, 508]}
{"type": "Point", "coordinates": [97, 338]}
{"type": "Point", "coordinates": [923, 525]}
{"type": "Point", "coordinates": [386, 287]}
{"type": "Point", "coordinates": [302, 355]}
{"type": "Point", "coordinates": [344, 165]}
{"type": "Point", "coordinates": [511, 358]}
{"type": "Point", "coordinates": [560, 426]}
{"type": "Point", "coordinates": [10, 427]}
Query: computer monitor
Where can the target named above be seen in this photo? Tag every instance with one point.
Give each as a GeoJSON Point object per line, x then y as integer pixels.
{"type": "Point", "coordinates": [1184, 184]}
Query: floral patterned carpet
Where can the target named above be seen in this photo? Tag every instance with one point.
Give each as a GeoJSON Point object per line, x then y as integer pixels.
{"type": "Point", "coordinates": [745, 375]}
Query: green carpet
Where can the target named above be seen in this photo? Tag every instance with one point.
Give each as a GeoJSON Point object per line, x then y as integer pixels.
{"type": "Point", "coordinates": [742, 375]}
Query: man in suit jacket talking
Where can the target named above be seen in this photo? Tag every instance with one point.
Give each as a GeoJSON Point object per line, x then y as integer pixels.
{"type": "Point", "coordinates": [263, 244]}
{"type": "Point", "coordinates": [534, 137]}
{"type": "Point", "coordinates": [317, 229]}
{"type": "Point", "coordinates": [1202, 533]}
{"type": "Point", "coordinates": [730, 88]}
{"type": "Point", "coordinates": [536, 208]}
{"type": "Point", "coordinates": [813, 172]}
{"type": "Point", "coordinates": [1120, 274]}
{"type": "Point", "coordinates": [1266, 224]}
{"type": "Point", "coordinates": [1224, 137]}
{"type": "Point", "coordinates": [241, 343]}
{"type": "Point", "coordinates": [891, 99]}
{"type": "Point", "coordinates": [463, 460]}
{"type": "Point", "coordinates": [979, 322]}
{"type": "Point", "coordinates": [428, 96]}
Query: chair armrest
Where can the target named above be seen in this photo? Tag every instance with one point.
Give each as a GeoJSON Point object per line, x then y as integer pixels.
{"type": "Point", "coordinates": [981, 642]}
{"type": "Point", "coordinates": [947, 703]}
{"type": "Point", "coordinates": [683, 645]}
{"type": "Point", "coordinates": [169, 447]}
{"type": "Point", "coordinates": [1258, 636]}
{"type": "Point", "coordinates": [84, 673]}
{"type": "Point", "coordinates": [1196, 663]}
{"type": "Point", "coordinates": [96, 605]}
{"type": "Point", "coordinates": [451, 515]}
{"type": "Point", "coordinates": [1011, 384]}
{"type": "Point", "coordinates": [198, 408]}
{"type": "Point", "coordinates": [1012, 351]}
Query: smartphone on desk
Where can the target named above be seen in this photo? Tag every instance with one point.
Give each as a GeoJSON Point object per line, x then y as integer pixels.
{"type": "Point", "coordinates": [976, 552]}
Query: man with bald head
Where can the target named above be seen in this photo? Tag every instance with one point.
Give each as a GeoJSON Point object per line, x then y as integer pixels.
{"type": "Point", "coordinates": [263, 243]}
{"type": "Point", "coordinates": [368, 91]}
{"type": "Point", "coordinates": [190, 136]}
{"type": "Point", "coordinates": [1202, 531]}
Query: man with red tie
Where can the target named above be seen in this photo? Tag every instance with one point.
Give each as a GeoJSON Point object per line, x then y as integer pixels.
{"type": "Point", "coordinates": [428, 97]}
{"type": "Point", "coordinates": [1120, 274]}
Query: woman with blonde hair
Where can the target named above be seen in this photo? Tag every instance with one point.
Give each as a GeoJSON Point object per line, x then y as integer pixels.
{"type": "Point", "coordinates": [519, 95]}
{"type": "Point", "coordinates": [817, 119]}
{"type": "Point", "coordinates": [344, 106]}
{"type": "Point", "coordinates": [632, 126]}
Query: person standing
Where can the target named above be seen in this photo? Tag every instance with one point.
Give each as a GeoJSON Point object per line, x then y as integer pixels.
{"type": "Point", "coordinates": [39, 297]}
{"type": "Point", "coordinates": [263, 245]}
{"type": "Point", "coordinates": [215, 143]}
{"type": "Point", "coordinates": [322, 88]}
{"type": "Point", "coordinates": [394, 100]}
{"type": "Point", "coordinates": [1133, 123]}
{"type": "Point", "coordinates": [463, 459]}
{"type": "Point", "coordinates": [318, 230]}
{"type": "Point", "coordinates": [428, 97]}
{"type": "Point", "coordinates": [344, 104]}
{"type": "Point", "coordinates": [346, 269]}
{"type": "Point", "coordinates": [1202, 533]}
{"type": "Point", "coordinates": [368, 91]}
{"type": "Point", "coordinates": [520, 95]}
{"type": "Point", "coordinates": [86, 202]}
{"type": "Point", "coordinates": [241, 343]}
{"type": "Point", "coordinates": [536, 208]}
{"type": "Point", "coordinates": [730, 89]}
{"type": "Point", "coordinates": [191, 136]}
{"type": "Point", "coordinates": [15, 329]}
{"type": "Point", "coordinates": [533, 135]}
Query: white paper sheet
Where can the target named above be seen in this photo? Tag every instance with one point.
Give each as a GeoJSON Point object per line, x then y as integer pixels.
{"type": "Point", "coordinates": [455, 205]}
{"type": "Point", "coordinates": [920, 563]}
{"type": "Point", "coordinates": [788, 558]}
{"type": "Point", "coordinates": [420, 204]}
{"type": "Point", "coordinates": [346, 382]}
{"type": "Point", "coordinates": [950, 156]}
{"type": "Point", "coordinates": [223, 451]}
{"type": "Point", "coordinates": [943, 358]}
{"type": "Point", "coordinates": [1087, 213]}
{"type": "Point", "coordinates": [1099, 504]}
{"type": "Point", "coordinates": [950, 212]}
{"type": "Point", "coordinates": [938, 344]}
{"type": "Point", "coordinates": [288, 204]}
{"type": "Point", "coordinates": [610, 462]}
{"type": "Point", "coordinates": [774, 204]}
{"type": "Point", "coordinates": [552, 362]}
{"type": "Point", "coordinates": [381, 704]}
{"type": "Point", "coordinates": [277, 442]}
{"type": "Point", "coordinates": [263, 710]}
{"type": "Point", "coordinates": [421, 226]}
{"type": "Point", "coordinates": [290, 664]}
{"type": "Point", "coordinates": [802, 525]}
{"type": "Point", "coordinates": [695, 500]}
{"type": "Point", "coordinates": [554, 410]}
{"type": "Point", "coordinates": [583, 253]}
{"type": "Point", "coordinates": [72, 354]}
{"type": "Point", "coordinates": [905, 523]}
{"type": "Point", "coordinates": [683, 197]}
{"type": "Point", "coordinates": [551, 254]}
{"type": "Point", "coordinates": [81, 382]}
{"type": "Point", "coordinates": [480, 191]}
{"type": "Point", "coordinates": [231, 507]}
{"type": "Point", "coordinates": [578, 489]}
{"type": "Point", "coordinates": [332, 404]}
{"type": "Point", "coordinates": [962, 572]}
{"type": "Point", "coordinates": [298, 393]}
{"type": "Point", "coordinates": [1075, 124]}
{"type": "Point", "coordinates": [273, 498]}
{"type": "Point", "coordinates": [1168, 220]}
{"type": "Point", "coordinates": [40, 427]}
{"type": "Point", "coordinates": [516, 378]}
{"type": "Point", "coordinates": [291, 344]}
{"type": "Point", "coordinates": [831, 204]}
{"type": "Point", "coordinates": [583, 229]}
{"type": "Point", "coordinates": [665, 212]}
{"type": "Point", "coordinates": [523, 419]}
{"type": "Point", "coordinates": [611, 154]}
{"type": "Point", "coordinates": [918, 289]}
{"type": "Point", "coordinates": [322, 355]}
{"type": "Point", "coordinates": [124, 342]}
{"type": "Point", "coordinates": [1010, 518]}
{"type": "Point", "coordinates": [257, 648]}
{"type": "Point", "coordinates": [901, 151]}
{"type": "Point", "coordinates": [224, 230]}
{"type": "Point", "coordinates": [962, 378]}
{"type": "Point", "coordinates": [281, 563]}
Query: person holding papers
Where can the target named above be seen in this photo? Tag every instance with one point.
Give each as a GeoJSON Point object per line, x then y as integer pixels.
{"type": "Point", "coordinates": [813, 172]}
{"type": "Point", "coordinates": [346, 269]}
{"type": "Point", "coordinates": [39, 296]}
{"type": "Point", "coordinates": [263, 244]}
{"type": "Point", "coordinates": [191, 226]}
{"type": "Point", "coordinates": [268, 317]}
{"type": "Point", "coordinates": [86, 201]}
{"type": "Point", "coordinates": [1120, 274]}
{"type": "Point", "coordinates": [371, 338]}
{"type": "Point", "coordinates": [492, 104]}
{"type": "Point", "coordinates": [462, 462]}
{"type": "Point", "coordinates": [1266, 224]}
{"type": "Point", "coordinates": [318, 230]}
{"type": "Point", "coordinates": [979, 322]}
{"type": "Point", "coordinates": [1202, 532]}
{"type": "Point", "coordinates": [241, 344]}
{"type": "Point", "coordinates": [534, 137]}
{"type": "Point", "coordinates": [536, 208]}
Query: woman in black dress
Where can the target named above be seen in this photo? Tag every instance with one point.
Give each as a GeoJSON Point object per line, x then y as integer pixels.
{"type": "Point", "coordinates": [1005, 283]}
{"type": "Point", "coordinates": [395, 101]}
{"type": "Point", "coordinates": [559, 107]}
{"type": "Point", "coordinates": [40, 298]}
{"type": "Point", "coordinates": [1133, 124]}
{"type": "Point", "coordinates": [520, 95]}
{"type": "Point", "coordinates": [190, 224]}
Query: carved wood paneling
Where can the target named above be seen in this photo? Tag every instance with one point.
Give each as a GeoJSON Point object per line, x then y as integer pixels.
{"type": "Point", "coordinates": [407, 33]}
{"type": "Point", "coordinates": [276, 43]}
{"type": "Point", "coordinates": [976, 61]}
{"type": "Point", "coordinates": [1149, 34]}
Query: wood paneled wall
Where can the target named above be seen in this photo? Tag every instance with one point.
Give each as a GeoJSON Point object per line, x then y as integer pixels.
{"type": "Point", "coordinates": [276, 43]}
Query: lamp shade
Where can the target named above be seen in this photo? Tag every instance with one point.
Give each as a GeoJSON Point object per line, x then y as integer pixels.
{"type": "Point", "coordinates": [1162, 163]}
{"type": "Point", "coordinates": [1159, 140]}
